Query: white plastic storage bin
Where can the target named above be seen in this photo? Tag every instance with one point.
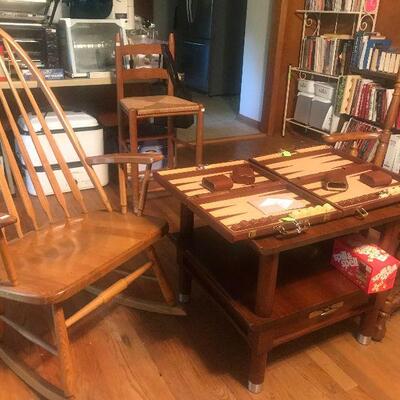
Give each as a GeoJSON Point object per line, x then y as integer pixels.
{"type": "Point", "coordinates": [153, 147]}
{"type": "Point", "coordinates": [303, 107]}
{"type": "Point", "coordinates": [90, 136]}
{"type": "Point", "coordinates": [325, 90]}
{"type": "Point", "coordinates": [321, 114]}
{"type": "Point", "coordinates": [306, 86]}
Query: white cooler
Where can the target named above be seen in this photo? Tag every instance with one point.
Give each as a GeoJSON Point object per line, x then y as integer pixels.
{"type": "Point", "coordinates": [90, 136]}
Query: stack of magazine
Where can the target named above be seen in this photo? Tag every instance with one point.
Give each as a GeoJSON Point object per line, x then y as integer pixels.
{"type": "Point", "coordinates": [366, 148]}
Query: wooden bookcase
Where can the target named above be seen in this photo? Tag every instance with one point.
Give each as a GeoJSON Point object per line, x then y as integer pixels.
{"type": "Point", "coordinates": [316, 23]}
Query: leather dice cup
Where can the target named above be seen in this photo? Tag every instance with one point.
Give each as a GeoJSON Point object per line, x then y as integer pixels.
{"type": "Point", "coordinates": [217, 183]}
{"type": "Point", "coordinates": [376, 178]}
{"type": "Point", "coordinates": [243, 174]}
{"type": "Point", "coordinates": [335, 181]}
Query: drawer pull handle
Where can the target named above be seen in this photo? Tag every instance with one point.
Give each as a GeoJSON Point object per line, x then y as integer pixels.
{"type": "Point", "coordinates": [326, 311]}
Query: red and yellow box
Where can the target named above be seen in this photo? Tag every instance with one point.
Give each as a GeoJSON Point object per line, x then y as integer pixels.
{"type": "Point", "coordinates": [365, 264]}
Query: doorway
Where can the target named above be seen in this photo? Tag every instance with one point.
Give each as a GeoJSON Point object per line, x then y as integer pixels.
{"type": "Point", "coordinates": [209, 52]}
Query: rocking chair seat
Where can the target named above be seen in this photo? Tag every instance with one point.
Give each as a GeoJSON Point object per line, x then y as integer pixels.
{"type": "Point", "coordinates": [56, 262]}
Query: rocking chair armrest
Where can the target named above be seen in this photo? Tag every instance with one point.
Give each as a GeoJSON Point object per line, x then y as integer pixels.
{"type": "Point", "coordinates": [6, 220]}
{"type": "Point", "coordinates": [351, 136]}
{"type": "Point", "coordinates": [125, 158]}
{"type": "Point", "coordinates": [8, 264]}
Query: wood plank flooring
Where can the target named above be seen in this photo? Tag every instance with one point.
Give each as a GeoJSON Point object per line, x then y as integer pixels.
{"type": "Point", "coordinates": [126, 354]}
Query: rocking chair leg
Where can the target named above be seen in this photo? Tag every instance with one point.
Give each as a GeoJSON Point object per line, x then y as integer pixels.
{"type": "Point", "coordinates": [161, 278]}
{"type": "Point", "coordinates": [64, 352]}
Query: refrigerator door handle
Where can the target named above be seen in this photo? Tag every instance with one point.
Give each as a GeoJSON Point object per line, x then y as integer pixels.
{"type": "Point", "coordinates": [189, 12]}
{"type": "Point", "coordinates": [194, 43]}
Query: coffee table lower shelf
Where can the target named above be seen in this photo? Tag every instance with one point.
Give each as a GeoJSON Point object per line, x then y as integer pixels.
{"type": "Point", "coordinates": [309, 293]}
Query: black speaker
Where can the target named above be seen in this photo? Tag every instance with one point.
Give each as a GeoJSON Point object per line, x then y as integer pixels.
{"type": "Point", "coordinates": [90, 9]}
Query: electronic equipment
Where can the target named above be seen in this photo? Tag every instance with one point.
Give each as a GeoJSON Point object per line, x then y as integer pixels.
{"type": "Point", "coordinates": [101, 9]}
{"type": "Point", "coordinates": [28, 10]}
{"type": "Point", "coordinates": [39, 41]}
{"type": "Point", "coordinates": [88, 46]}
{"type": "Point", "coordinates": [29, 23]}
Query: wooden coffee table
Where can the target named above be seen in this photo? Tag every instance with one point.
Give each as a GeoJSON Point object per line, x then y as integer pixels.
{"type": "Point", "coordinates": [273, 278]}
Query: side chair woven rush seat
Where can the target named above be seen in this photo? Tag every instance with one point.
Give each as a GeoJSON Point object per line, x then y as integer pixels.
{"type": "Point", "coordinates": [137, 108]}
{"type": "Point", "coordinates": [49, 263]}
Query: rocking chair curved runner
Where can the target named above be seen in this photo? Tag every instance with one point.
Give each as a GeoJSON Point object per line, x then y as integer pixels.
{"type": "Point", "coordinates": [53, 262]}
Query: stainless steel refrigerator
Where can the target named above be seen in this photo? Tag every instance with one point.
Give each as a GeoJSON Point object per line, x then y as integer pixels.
{"type": "Point", "coordinates": [210, 40]}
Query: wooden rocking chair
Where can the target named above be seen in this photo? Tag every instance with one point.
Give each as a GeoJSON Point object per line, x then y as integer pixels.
{"type": "Point", "coordinates": [392, 302]}
{"type": "Point", "coordinates": [54, 261]}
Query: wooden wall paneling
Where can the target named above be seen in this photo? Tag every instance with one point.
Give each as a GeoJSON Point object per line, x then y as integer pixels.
{"type": "Point", "coordinates": [389, 13]}
{"type": "Point", "coordinates": [284, 50]}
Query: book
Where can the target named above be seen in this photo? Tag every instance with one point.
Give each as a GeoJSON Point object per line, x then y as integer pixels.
{"type": "Point", "coordinates": [328, 54]}
{"type": "Point", "coordinates": [371, 6]}
{"type": "Point", "coordinates": [364, 99]}
{"type": "Point", "coordinates": [392, 152]}
{"type": "Point", "coordinates": [48, 73]}
{"type": "Point", "coordinates": [366, 148]}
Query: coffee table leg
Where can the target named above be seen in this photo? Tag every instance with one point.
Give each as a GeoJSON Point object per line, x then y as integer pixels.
{"type": "Point", "coordinates": [266, 284]}
{"type": "Point", "coordinates": [185, 235]}
{"type": "Point", "coordinates": [261, 343]}
{"type": "Point", "coordinates": [389, 243]}
{"type": "Point", "coordinates": [258, 363]}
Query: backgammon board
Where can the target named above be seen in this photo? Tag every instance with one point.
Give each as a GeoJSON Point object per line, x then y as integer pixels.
{"type": "Point", "coordinates": [247, 211]}
{"type": "Point", "coordinates": [308, 167]}
{"type": "Point", "coordinates": [287, 195]}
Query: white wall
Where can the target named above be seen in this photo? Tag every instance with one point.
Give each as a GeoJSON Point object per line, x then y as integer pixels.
{"type": "Point", "coordinates": [255, 58]}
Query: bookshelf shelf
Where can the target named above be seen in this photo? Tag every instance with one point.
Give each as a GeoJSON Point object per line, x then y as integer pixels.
{"type": "Point", "coordinates": [309, 72]}
{"type": "Point", "coordinates": [334, 12]}
{"type": "Point", "coordinates": [375, 75]}
{"type": "Point", "coordinates": [307, 127]}
{"type": "Point", "coordinates": [337, 60]}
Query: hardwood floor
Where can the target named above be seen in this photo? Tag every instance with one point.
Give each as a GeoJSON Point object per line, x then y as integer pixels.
{"type": "Point", "coordinates": [121, 353]}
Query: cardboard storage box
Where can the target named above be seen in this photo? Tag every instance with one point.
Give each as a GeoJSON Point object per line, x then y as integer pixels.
{"type": "Point", "coordinates": [365, 264]}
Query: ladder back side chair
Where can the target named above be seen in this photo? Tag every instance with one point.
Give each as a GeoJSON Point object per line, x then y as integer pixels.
{"type": "Point", "coordinates": [145, 107]}
{"type": "Point", "coordinates": [48, 263]}
{"type": "Point", "coordinates": [392, 302]}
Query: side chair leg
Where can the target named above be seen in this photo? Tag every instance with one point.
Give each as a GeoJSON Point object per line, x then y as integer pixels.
{"type": "Point", "coordinates": [133, 138]}
{"type": "Point", "coordinates": [171, 146]}
{"type": "Point", "coordinates": [200, 137]}
{"type": "Point", "coordinates": [2, 324]}
{"type": "Point", "coordinates": [64, 352]}
{"type": "Point", "coordinates": [165, 287]}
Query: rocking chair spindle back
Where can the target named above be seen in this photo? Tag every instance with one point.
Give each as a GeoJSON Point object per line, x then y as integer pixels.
{"type": "Point", "coordinates": [58, 259]}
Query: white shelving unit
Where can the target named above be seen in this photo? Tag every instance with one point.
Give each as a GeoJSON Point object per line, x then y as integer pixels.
{"type": "Point", "coordinates": [312, 22]}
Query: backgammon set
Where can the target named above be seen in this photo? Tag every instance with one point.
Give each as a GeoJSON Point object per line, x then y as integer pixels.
{"type": "Point", "coordinates": [284, 194]}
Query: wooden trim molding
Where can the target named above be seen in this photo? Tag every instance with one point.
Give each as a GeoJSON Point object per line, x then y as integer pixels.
{"type": "Point", "coordinates": [275, 66]}
{"type": "Point", "coordinates": [285, 41]}
{"type": "Point", "coordinates": [249, 121]}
